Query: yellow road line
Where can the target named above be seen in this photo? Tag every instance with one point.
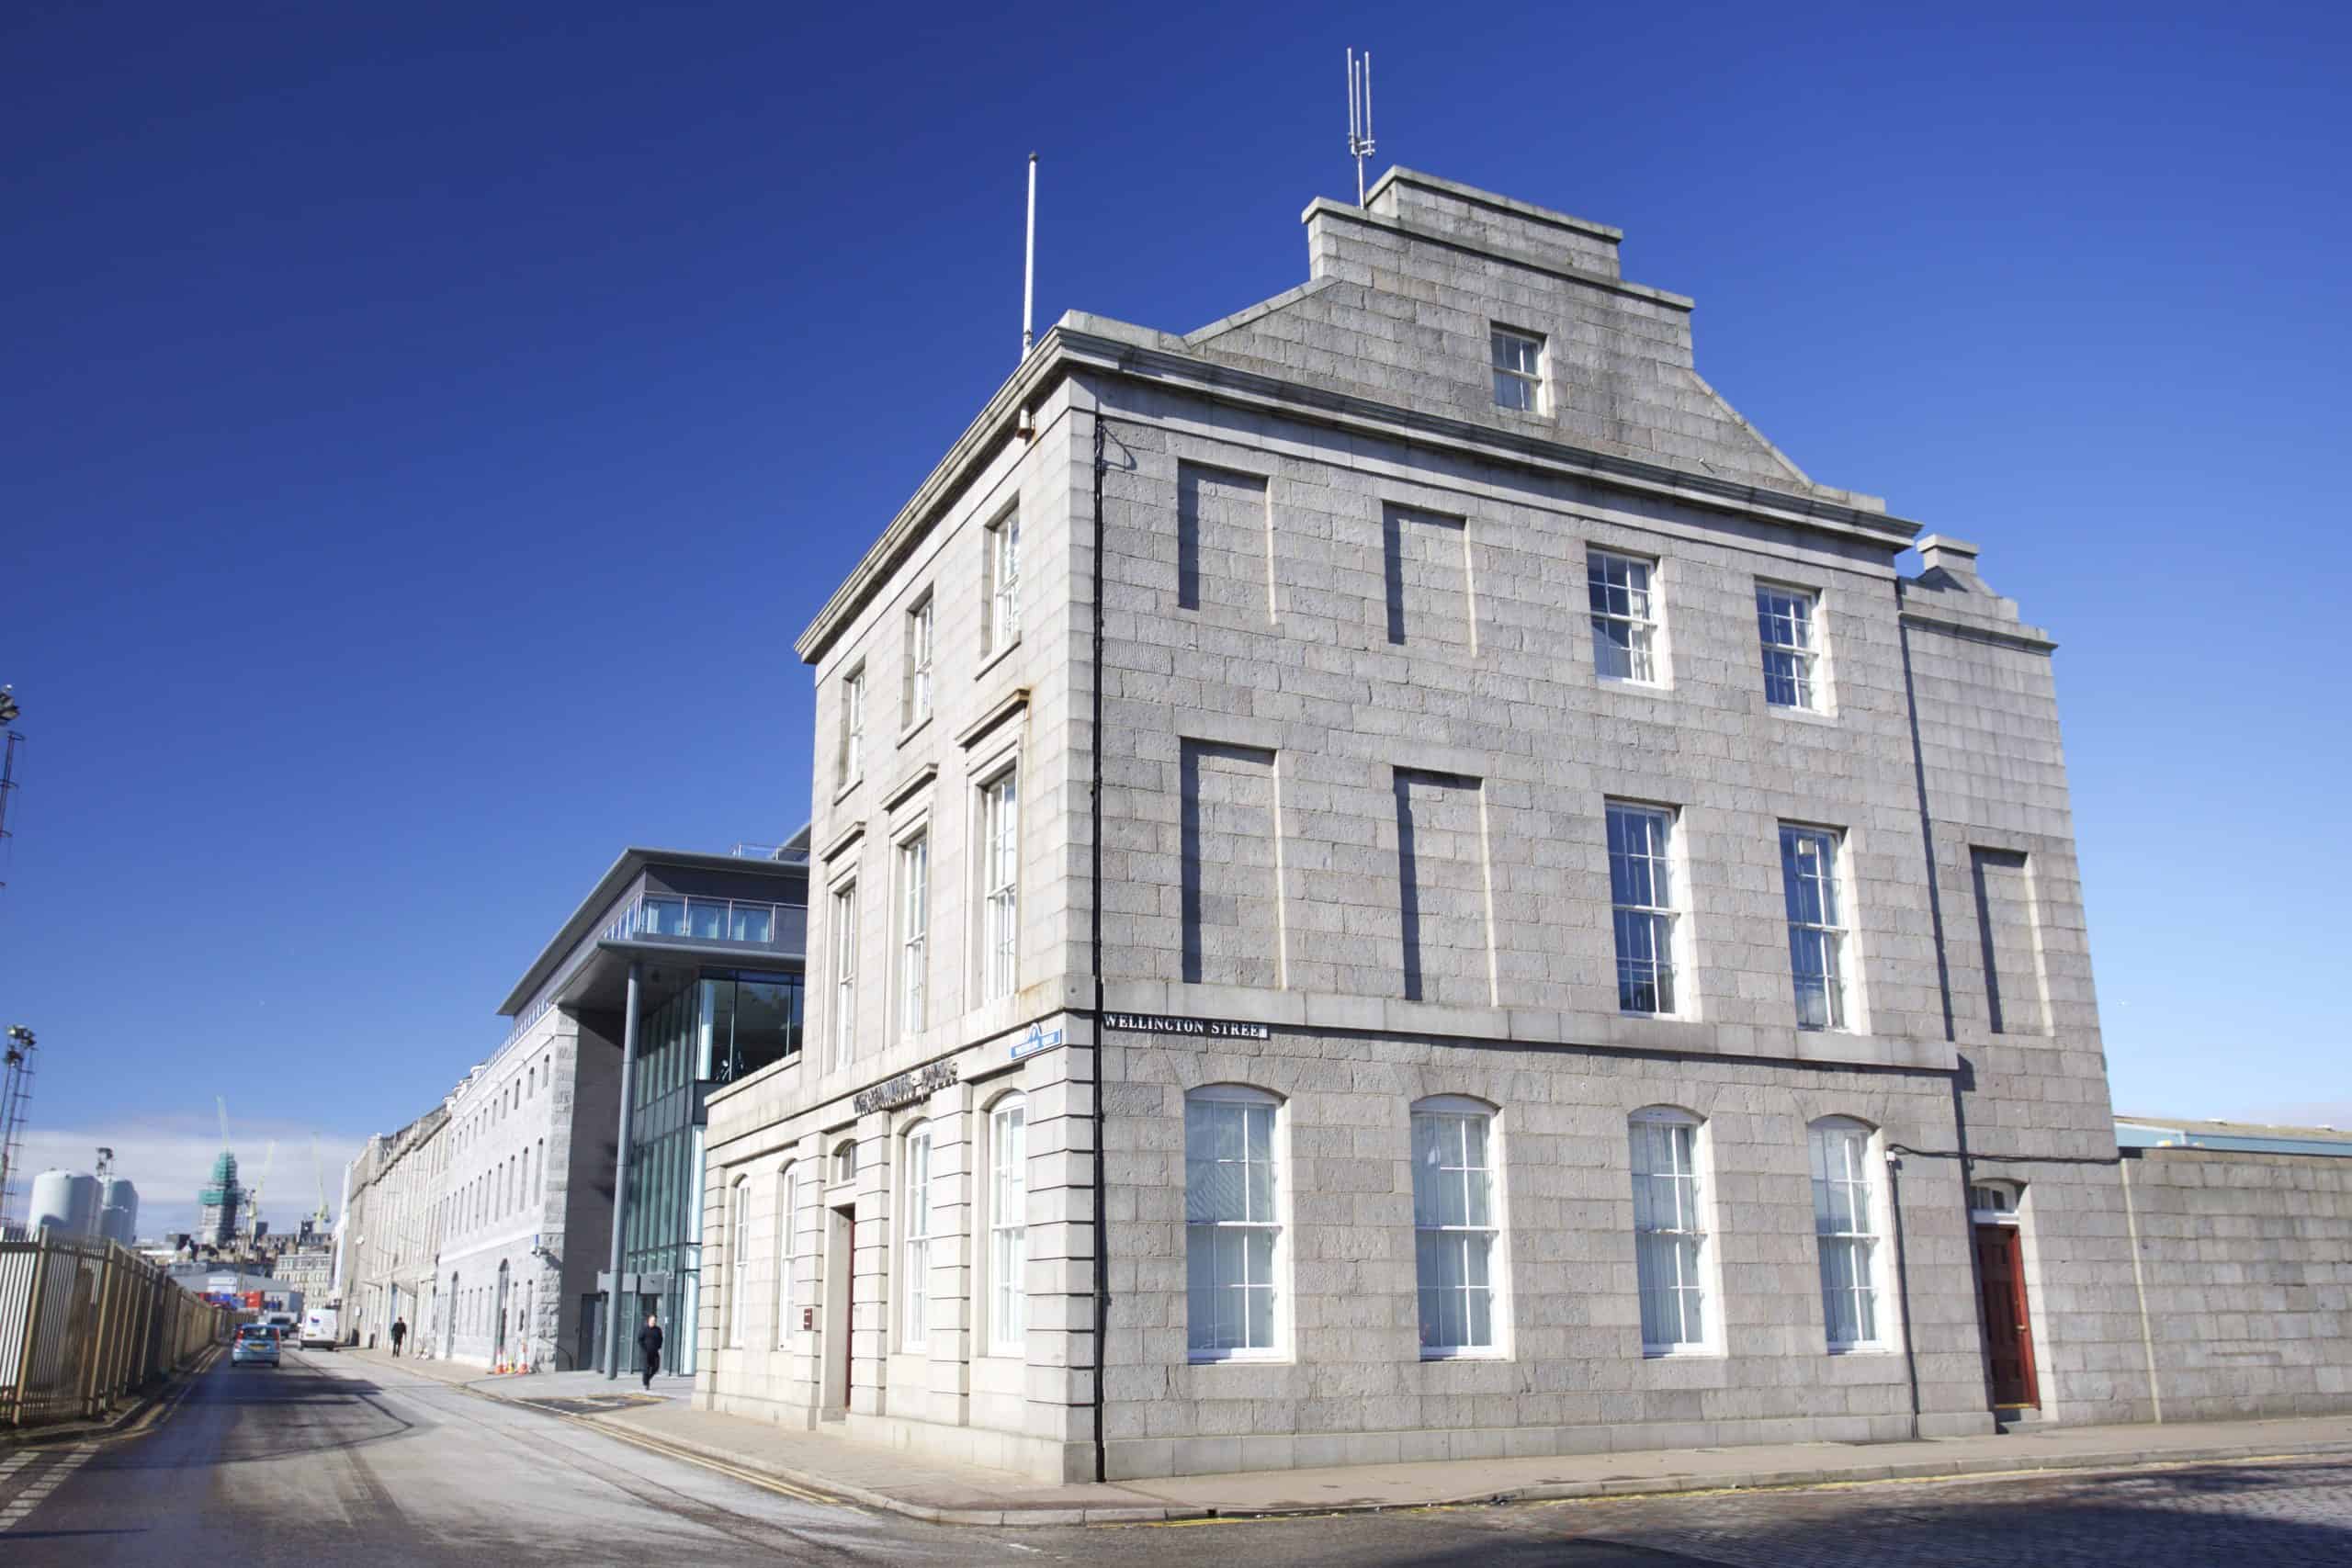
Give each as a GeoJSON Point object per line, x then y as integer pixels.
{"type": "Point", "coordinates": [750, 1477]}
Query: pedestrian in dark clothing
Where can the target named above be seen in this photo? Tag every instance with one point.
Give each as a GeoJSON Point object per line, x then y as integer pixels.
{"type": "Point", "coordinates": [649, 1344]}
{"type": "Point", "coordinates": [400, 1332]}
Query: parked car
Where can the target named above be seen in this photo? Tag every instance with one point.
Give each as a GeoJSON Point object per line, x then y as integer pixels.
{"type": "Point", "coordinates": [256, 1346]}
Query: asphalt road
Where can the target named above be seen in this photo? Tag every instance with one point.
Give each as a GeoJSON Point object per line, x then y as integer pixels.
{"type": "Point", "coordinates": [325, 1464]}
{"type": "Point", "coordinates": [319, 1463]}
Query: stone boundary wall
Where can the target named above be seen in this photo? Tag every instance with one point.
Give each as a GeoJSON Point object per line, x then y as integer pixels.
{"type": "Point", "coordinates": [2245, 1268]}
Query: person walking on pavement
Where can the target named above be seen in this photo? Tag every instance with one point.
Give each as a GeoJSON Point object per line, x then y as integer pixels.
{"type": "Point", "coordinates": [649, 1344]}
{"type": "Point", "coordinates": [400, 1332]}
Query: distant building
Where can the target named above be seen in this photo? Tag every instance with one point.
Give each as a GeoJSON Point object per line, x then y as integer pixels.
{"type": "Point", "coordinates": [220, 1204]}
{"type": "Point", "coordinates": [250, 1287]}
{"type": "Point", "coordinates": [309, 1270]}
{"type": "Point", "coordinates": [390, 1237]}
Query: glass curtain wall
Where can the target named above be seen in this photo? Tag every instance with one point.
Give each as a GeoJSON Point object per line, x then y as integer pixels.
{"type": "Point", "coordinates": [715, 1030]}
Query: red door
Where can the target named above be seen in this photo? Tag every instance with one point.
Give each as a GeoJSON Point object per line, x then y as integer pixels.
{"type": "Point", "coordinates": [2009, 1328]}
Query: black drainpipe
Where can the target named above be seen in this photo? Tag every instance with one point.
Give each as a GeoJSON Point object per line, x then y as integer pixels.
{"type": "Point", "coordinates": [1903, 1284]}
{"type": "Point", "coordinates": [1102, 1219]}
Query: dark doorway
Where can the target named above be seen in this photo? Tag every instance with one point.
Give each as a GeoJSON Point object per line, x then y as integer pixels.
{"type": "Point", "coordinates": [2008, 1326]}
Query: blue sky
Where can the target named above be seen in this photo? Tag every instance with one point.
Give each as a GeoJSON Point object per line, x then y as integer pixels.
{"type": "Point", "coordinates": [425, 429]}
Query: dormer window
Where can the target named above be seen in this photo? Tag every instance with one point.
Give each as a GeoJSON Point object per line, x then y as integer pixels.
{"type": "Point", "coordinates": [1518, 371]}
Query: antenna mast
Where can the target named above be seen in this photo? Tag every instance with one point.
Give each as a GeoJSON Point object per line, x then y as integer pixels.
{"type": "Point", "coordinates": [1359, 114]}
{"type": "Point", "coordinates": [1029, 266]}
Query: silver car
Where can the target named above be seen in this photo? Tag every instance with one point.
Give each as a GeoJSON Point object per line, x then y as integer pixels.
{"type": "Point", "coordinates": [256, 1346]}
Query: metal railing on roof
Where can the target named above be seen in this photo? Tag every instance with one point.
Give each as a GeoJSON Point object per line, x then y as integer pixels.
{"type": "Point", "coordinates": [785, 855]}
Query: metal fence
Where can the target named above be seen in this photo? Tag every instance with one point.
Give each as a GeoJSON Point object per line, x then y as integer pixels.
{"type": "Point", "coordinates": [84, 1323]}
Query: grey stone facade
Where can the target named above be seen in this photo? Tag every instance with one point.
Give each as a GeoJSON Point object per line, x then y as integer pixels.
{"type": "Point", "coordinates": [1355, 753]}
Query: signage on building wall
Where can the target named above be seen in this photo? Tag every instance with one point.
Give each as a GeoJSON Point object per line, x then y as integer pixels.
{"type": "Point", "coordinates": [1039, 1038]}
{"type": "Point", "coordinates": [906, 1089]}
{"type": "Point", "coordinates": [1205, 1027]}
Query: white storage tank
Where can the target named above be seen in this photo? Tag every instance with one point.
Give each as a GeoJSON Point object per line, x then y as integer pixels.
{"type": "Point", "coordinates": [119, 1216]}
{"type": "Point", "coordinates": [65, 1201]}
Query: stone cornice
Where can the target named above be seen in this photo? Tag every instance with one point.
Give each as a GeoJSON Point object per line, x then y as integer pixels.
{"type": "Point", "coordinates": [1145, 358]}
{"type": "Point", "coordinates": [1079, 342]}
{"type": "Point", "coordinates": [2013, 635]}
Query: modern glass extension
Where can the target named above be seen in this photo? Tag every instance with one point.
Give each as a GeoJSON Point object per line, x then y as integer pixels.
{"type": "Point", "coordinates": [716, 1029]}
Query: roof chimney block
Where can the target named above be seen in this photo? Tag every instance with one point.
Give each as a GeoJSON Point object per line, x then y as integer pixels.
{"type": "Point", "coordinates": [1953, 558]}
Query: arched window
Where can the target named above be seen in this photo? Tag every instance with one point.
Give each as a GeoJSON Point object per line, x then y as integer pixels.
{"type": "Point", "coordinates": [1845, 1225]}
{"type": "Point", "coordinates": [914, 1230]}
{"type": "Point", "coordinates": [1234, 1254]}
{"type": "Point", "coordinates": [739, 1258]}
{"type": "Point", "coordinates": [787, 1209]}
{"type": "Point", "coordinates": [1008, 1201]}
{"type": "Point", "coordinates": [845, 1161]}
{"type": "Point", "coordinates": [1669, 1230]}
{"type": "Point", "coordinates": [1458, 1219]}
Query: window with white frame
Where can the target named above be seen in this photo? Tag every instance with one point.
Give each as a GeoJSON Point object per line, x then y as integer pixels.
{"type": "Point", "coordinates": [1233, 1232]}
{"type": "Point", "coordinates": [845, 935]}
{"type": "Point", "coordinates": [787, 1205]}
{"type": "Point", "coordinates": [1625, 617]}
{"type": "Point", "coordinates": [1519, 371]}
{"type": "Point", "coordinates": [854, 724]}
{"type": "Point", "coordinates": [914, 690]}
{"type": "Point", "coordinates": [845, 1161]}
{"type": "Point", "coordinates": [1641, 893]}
{"type": "Point", "coordinates": [1787, 623]}
{"type": "Point", "coordinates": [914, 929]}
{"type": "Point", "coordinates": [1845, 1225]}
{"type": "Point", "coordinates": [739, 1260]}
{"type": "Point", "coordinates": [1000, 885]}
{"type": "Point", "coordinates": [1008, 1298]}
{"type": "Point", "coordinates": [1669, 1231]}
{"type": "Point", "coordinates": [1457, 1221]}
{"type": "Point", "coordinates": [1994, 1201]}
{"type": "Point", "coordinates": [1000, 608]}
{"type": "Point", "coordinates": [914, 1253]}
{"type": "Point", "coordinates": [1817, 929]}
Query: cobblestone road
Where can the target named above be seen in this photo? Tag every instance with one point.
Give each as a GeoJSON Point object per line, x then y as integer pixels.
{"type": "Point", "coordinates": [2282, 1514]}
{"type": "Point", "coordinates": [2277, 1514]}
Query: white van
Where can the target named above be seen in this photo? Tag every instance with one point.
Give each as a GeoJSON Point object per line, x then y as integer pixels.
{"type": "Point", "coordinates": [320, 1331]}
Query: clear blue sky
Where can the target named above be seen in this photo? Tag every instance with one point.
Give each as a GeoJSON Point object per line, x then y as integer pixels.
{"type": "Point", "coordinates": [425, 429]}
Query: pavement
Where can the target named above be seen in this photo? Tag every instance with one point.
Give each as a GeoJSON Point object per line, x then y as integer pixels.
{"type": "Point", "coordinates": [945, 1493]}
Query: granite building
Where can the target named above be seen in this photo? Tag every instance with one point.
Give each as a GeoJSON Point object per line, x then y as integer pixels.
{"type": "Point", "coordinates": [1390, 879]}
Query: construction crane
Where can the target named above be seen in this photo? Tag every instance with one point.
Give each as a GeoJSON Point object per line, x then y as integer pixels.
{"type": "Point", "coordinates": [320, 1220]}
{"type": "Point", "coordinates": [252, 1197]}
{"type": "Point", "coordinates": [16, 1080]}
{"type": "Point", "coordinates": [16, 1094]}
